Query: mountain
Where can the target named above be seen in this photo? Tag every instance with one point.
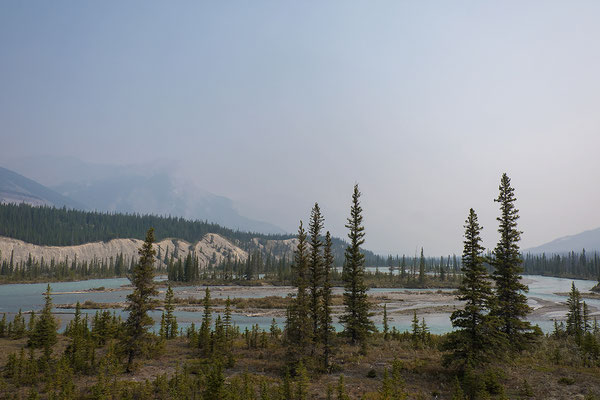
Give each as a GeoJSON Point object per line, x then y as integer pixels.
{"type": "Point", "coordinates": [159, 194]}
{"type": "Point", "coordinates": [15, 188]}
{"type": "Point", "coordinates": [210, 247]}
{"type": "Point", "coordinates": [56, 229]}
{"type": "Point", "coordinates": [588, 240]}
{"type": "Point", "coordinates": [153, 188]}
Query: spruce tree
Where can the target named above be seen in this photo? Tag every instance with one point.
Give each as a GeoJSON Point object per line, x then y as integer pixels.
{"type": "Point", "coordinates": [170, 319]}
{"type": "Point", "coordinates": [44, 333]}
{"type": "Point", "coordinates": [298, 323]}
{"type": "Point", "coordinates": [315, 274]}
{"type": "Point", "coordinates": [587, 327]}
{"type": "Point", "coordinates": [415, 333]}
{"type": "Point", "coordinates": [356, 318]}
{"type": "Point", "coordinates": [476, 337]}
{"type": "Point", "coordinates": [204, 334]}
{"type": "Point", "coordinates": [136, 338]}
{"type": "Point", "coordinates": [327, 330]}
{"type": "Point", "coordinates": [31, 324]}
{"type": "Point", "coordinates": [386, 327]}
{"type": "Point", "coordinates": [227, 319]}
{"type": "Point", "coordinates": [188, 269]}
{"type": "Point", "coordinates": [511, 303]}
{"type": "Point", "coordinates": [3, 326]}
{"type": "Point", "coordinates": [422, 268]}
{"type": "Point", "coordinates": [575, 314]}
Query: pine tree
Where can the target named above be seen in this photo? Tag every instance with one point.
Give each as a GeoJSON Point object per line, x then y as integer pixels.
{"type": "Point", "coordinates": [170, 319]}
{"type": "Point", "coordinates": [31, 324]}
{"type": "Point", "coordinates": [341, 389]}
{"type": "Point", "coordinates": [140, 301]}
{"type": "Point", "coordinates": [315, 274]}
{"type": "Point", "coordinates": [422, 268]}
{"type": "Point", "coordinates": [386, 327]}
{"type": "Point", "coordinates": [425, 335]}
{"type": "Point", "coordinates": [403, 276]}
{"type": "Point", "coordinates": [586, 318]}
{"type": "Point", "coordinates": [204, 334]}
{"type": "Point", "coordinates": [3, 326]}
{"type": "Point", "coordinates": [162, 332]}
{"type": "Point", "coordinates": [356, 319]}
{"type": "Point", "coordinates": [44, 334]}
{"type": "Point", "coordinates": [393, 384]}
{"type": "Point", "coordinates": [215, 382]}
{"type": "Point", "coordinates": [298, 323]}
{"type": "Point", "coordinates": [511, 303]}
{"type": "Point", "coordinates": [188, 268]}
{"type": "Point", "coordinates": [16, 328]}
{"type": "Point", "coordinates": [327, 330]}
{"type": "Point", "coordinates": [286, 386]}
{"type": "Point", "coordinates": [274, 330]}
{"type": "Point", "coordinates": [77, 351]}
{"type": "Point", "coordinates": [575, 314]}
{"type": "Point", "coordinates": [476, 338]}
{"type": "Point", "coordinates": [227, 319]}
{"type": "Point", "coordinates": [415, 334]}
{"type": "Point", "coordinates": [301, 382]}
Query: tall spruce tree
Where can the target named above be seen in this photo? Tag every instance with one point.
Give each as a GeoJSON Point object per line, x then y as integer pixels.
{"type": "Point", "coordinates": [170, 318]}
{"type": "Point", "coordinates": [511, 303]}
{"type": "Point", "coordinates": [575, 314]}
{"type": "Point", "coordinates": [44, 331]}
{"type": "Point", "coordinates": [386, 327]}
{"type": "Point", "coordinates": [298, 330]}
{"type": "Point", "coordinates": [422, 268]}
{"type": "Point", "coordinates": [136, 337]}
{"type": "Point", "coordinates": [476, 337]}
{"type": "Point", "coordinates": [356, 318]}
{"type": "Point", "coordinates": [327, 330]}
{"type": "Point", "coordinates": [204, 333]}
{"type": "Point", "coordinates": [315, 273]}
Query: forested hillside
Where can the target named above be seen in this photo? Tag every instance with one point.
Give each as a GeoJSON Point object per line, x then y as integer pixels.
{"type": "Point", "coordinates": [50, 226]}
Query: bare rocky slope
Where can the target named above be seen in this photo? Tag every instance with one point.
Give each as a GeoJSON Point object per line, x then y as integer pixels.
{"type": "Point", "coordinates": [212, 247]}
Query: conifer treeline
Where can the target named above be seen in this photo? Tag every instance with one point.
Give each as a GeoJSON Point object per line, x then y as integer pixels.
{"type": "Point", "coordinates": [56, 270]}
{"type": "Point", "coordinates": [581, 265]}
{"type": "Point", "coordinates": [50, 226]}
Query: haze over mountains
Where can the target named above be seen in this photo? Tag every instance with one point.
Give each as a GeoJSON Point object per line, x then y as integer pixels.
{"type": "Point", "coordinates": [588, 240]}
{"type": "Point", "coordinates": [157, 189]}
{"type": "Point", "coordinates": [145, 189]}
{"type": "Point", "coordinates": [15, 188]}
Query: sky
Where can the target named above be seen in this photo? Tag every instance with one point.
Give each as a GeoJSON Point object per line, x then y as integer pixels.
{"type": "Point", "coordinates": [278, 105]}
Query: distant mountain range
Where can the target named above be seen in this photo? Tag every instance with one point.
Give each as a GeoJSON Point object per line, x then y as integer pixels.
{"type": "Point", "coordinates": [15, 188]}
{"type": "Point", "coordinates": [144, 189]}
{"type": "Point", "coordinates": [588, 240]}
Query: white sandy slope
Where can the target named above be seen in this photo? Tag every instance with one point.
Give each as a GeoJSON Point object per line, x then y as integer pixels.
{"type": "Point", "coordinates": [212, 246]}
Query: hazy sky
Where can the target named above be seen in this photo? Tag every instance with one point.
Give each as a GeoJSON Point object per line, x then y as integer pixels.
{"type": "Point", "coordinates": [280, 104]}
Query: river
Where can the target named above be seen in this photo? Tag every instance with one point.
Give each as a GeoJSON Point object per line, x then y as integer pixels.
{"type": "Point", "coordinates": [542, 297]}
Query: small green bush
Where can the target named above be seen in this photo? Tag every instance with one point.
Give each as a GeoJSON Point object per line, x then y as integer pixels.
{"type": "Point", "coordinates": [567, 381]}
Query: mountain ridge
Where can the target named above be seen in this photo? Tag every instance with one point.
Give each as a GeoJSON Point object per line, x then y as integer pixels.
{"type": "Point", "coordinates": [16, 188]}
{"type": "Point", "coordinates": [152, 188]}
{"type": "Point", "coordinates": [211, 248]}
{"type": "Point", "coordinates": [588, 240]}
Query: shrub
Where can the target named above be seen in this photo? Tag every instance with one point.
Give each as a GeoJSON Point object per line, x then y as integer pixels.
{"type": "Point", "coordinates": [565, 380]}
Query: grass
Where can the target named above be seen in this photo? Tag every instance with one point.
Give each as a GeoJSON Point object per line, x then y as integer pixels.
{"type": "Point", "coordinates": [531, 374]}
